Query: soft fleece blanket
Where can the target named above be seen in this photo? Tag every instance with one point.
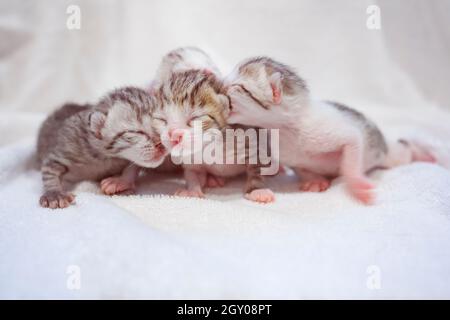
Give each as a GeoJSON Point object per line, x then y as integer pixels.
{"type": "Point", "coordinates": [154, 245]}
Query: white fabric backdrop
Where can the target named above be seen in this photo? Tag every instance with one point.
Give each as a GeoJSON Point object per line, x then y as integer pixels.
{"type": "Point", "coordinates": [43, 63]}
{"type": "Point", "coordinates": [304, 245]}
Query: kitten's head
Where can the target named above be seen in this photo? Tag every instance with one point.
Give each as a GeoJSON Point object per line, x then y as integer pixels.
{"type": "Point", "coordinates": [189, 98]}
{"type": "Point", "coordinates": [123, 125]}
{"type": "Point", "coordinates": [183, 59]}
{"type": "Point", "coordinates": [257, 89]}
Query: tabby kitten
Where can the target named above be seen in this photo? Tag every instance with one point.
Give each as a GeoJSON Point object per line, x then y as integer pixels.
{"type": "Point", "coordinates": [196, 95]}
{"type": "Point", "coordinates": [90, 142]}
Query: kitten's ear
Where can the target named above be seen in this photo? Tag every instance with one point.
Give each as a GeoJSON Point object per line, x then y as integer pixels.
{"type": "Point", "coordinates": [275, 85]}
{"type": "Point", "coordinates": [96, 123]}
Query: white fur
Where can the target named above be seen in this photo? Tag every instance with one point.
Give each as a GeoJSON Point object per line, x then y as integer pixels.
{"type": "Point", "coordinates": [191, 58]}
{"type": "Point", "coordinates": [306, 131]}
{"type": "Point", "coordinates": [315, 137]}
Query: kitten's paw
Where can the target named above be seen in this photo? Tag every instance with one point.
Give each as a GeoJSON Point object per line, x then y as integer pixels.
{"type": "Point", "coordinates": [189, 193]}
{"type": "Point", "coordinates": [261, 196]}
{"type": "Point", "coordinates": [214, 181]}
{"type": "Point", "coordinates": [56, 199]}
{"type": "Point", "coordinates": [315, 185]}
{"type": "Point", "coordinates": [116, 185]}
{"type": "Point", "coordinates": [362, 189]}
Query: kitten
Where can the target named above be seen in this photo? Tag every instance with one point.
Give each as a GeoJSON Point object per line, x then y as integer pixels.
{"type": "Point", "coordinates": [318, 139]}
{"type": "Point", "coordinates": [90, 142]}
{"type": "Point", "coordinates": [196, 95]}
{"type": "Point", "coordinates": [178, 60]}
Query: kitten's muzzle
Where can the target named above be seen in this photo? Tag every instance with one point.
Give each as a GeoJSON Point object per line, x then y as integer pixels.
{"type": "Point", "coordinates": [160, 149]}
{"type": "Point", "coordinates": [175, 136]}
{"type": "Point", "coordinates": [160, 152]}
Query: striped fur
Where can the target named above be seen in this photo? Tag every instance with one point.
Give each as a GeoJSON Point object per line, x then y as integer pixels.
{"type": "Point", "coordinates": [291, 83]}
{"type": "Point", "coordinates": [185, 95]}
{"type": "Point", "coordinates": [191, 95]}
{"type": "Point", "coordinates": [183, 59]}
{"type": "Point", "coordinates": [91, 142]}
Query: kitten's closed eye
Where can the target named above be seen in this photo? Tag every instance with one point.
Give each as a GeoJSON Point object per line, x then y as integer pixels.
{"type": "Point", "coordinates": [160, 120]}
{"type": "Point", "coordinates": [203, 119]}
{"type": "Point", "coordinates": [231, 108]}
{"type": "Point", "coordinates": [131, 137]}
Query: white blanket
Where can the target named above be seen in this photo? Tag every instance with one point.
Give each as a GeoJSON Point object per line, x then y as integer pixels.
{"type": "Point", "coordinates": [153, 245]}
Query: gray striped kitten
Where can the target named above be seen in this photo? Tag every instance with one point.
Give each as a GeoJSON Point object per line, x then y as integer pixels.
{"type": "Point", "coordinates": [91, 142]}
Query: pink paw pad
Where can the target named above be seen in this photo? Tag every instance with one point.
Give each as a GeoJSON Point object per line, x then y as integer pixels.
{"type": "Point", "coordinates": [363, 190]}
{"type": "Point", "coordinates": [115, 185]}
{"type": "Point", "coordinates": [261, 196]}
{"type": "Point", "coordinates": [189, 193]}
{"type": "Point", "coordinates": [56, 199]}
{"type": "Point", "coordinates": [315, 185]}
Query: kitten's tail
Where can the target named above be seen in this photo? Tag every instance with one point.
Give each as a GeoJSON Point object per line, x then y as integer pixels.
{"type": "Point", "coordinates": [405, 151]}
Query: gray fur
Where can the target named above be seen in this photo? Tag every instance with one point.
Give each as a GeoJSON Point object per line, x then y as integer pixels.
{"type": "Point", "coordinates": [90, 142]}
{"type": "Point", "coordinates": [183, 59]}
{"type": "Point", "coordinates": [373, 135]}
{"type": "Point", "coordinates": [291, 83]}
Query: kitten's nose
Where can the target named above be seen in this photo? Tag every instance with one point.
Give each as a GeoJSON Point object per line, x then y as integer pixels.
{"type": "Point", "coordinates": [176, 136]}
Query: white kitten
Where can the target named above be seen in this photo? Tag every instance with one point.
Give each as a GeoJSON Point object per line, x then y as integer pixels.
{"type": "Point", "coordinates": [319, 140]}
